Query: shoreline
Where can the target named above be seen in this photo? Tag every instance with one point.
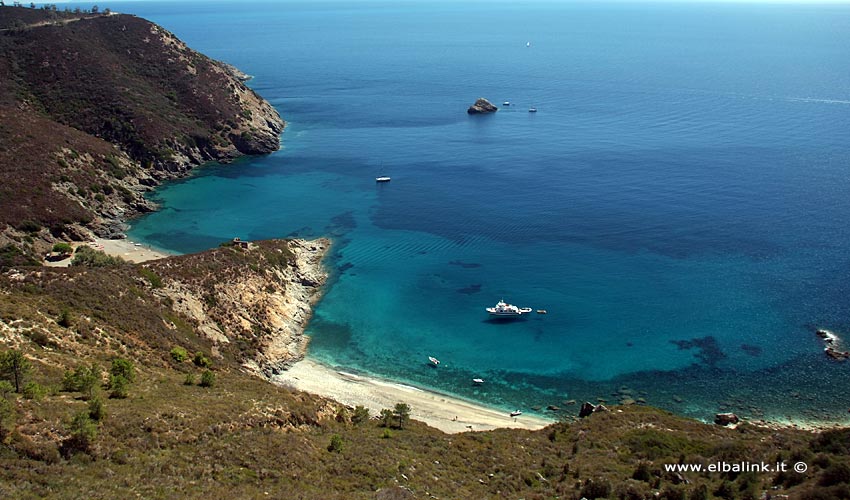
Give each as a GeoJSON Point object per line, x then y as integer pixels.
{"type": "Point", "coordinates": [449, 414]}
{"type": "Point", "coordinates": [128, 250]}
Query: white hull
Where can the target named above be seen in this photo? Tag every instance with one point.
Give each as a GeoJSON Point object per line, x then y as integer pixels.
{"type": "Point", "coordinates": [504, 310]}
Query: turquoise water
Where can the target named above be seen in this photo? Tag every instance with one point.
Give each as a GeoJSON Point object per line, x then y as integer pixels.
{"type": "Point", "coordinates": [679, 203]}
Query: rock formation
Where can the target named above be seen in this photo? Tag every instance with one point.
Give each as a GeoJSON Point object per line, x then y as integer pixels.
{"type": "Point", "coordinates": [726, 419]}
{"type": "Point", "coordinates": [482, 106]}
{"type": "Point", "coordinates": [588, 408]}
{"type": "Point", "coordinates": [832, 343]}
{"type": "Point", "coordinates": [263, 312]}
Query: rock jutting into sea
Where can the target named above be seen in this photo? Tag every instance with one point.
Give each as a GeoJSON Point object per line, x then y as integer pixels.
{"type": "Point", "coordinates": [262, 309]}
{"type": "Point", "coordinates": [832, 344]}
{"type": "Point", "coordinates": [482, 106]}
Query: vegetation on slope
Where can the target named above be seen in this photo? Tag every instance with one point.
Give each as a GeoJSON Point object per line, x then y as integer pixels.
{"type": "Point", "coordinates": [190, 422]}
{"type": "Point", "coordinates": [97, 109]}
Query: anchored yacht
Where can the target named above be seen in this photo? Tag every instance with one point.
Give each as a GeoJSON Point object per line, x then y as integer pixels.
{"type": "Point", "coordinates": [505, 310]}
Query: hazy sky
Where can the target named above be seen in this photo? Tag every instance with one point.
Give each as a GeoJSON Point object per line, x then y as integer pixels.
{"type": "Point", "coordinates": [106, 3]}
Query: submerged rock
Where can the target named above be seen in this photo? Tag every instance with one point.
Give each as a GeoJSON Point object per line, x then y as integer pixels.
{"type": "Point", "coordinates": [482, 106]}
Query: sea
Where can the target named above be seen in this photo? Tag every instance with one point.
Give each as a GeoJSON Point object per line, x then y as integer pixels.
{"type": "Point", "coordinates": [679, 204]}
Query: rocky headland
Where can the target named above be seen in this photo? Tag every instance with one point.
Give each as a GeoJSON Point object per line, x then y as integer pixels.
{"type": "Point", "coordinates": [97, 110]}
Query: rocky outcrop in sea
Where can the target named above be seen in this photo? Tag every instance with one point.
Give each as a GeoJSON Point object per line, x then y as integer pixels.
{"type": "Point", "coordinates": [482, 106]}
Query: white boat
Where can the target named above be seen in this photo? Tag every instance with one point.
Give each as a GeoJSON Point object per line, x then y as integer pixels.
{"type": "Point", "coordinates": [506, 103]}
{"type": "Point", "coordinates": [516, 413]}
{"type": "Point", "coordinates": [434, 361]}
{"type": "Point", "coordinates": [382, 179]}
{"type": "Point", "coordinates": [505, 310]}
{"type": "Point", "coordinates": [478, 381]}
{"type": "Point", "coordinates": [532, 110]}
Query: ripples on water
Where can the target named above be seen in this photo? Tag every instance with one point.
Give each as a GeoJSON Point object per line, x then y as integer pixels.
{"type": "Point", "coordinates": [678, 203]}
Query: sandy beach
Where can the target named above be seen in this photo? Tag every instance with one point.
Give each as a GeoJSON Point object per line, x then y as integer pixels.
{"type": "Point", "coordinates": [446, 413]}
{"type": "Point", "coordinates": [126, 249]}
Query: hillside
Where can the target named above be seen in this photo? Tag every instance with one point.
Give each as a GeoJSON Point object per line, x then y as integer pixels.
{"type": "Point", "coordinates": [96, 110]}
{"type": "Point", "coordinates": [244, 437]}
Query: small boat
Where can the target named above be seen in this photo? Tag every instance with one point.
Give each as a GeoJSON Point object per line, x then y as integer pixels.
{"type": "Point", "coordinates": [382, 179]}
{"type": "Point", "coordinates": [541, 311]}
{"type": "Point", "coordinates": [528, 44]}
{"type": "Point", "coordinates": [516, 413]}
{"type": "Point", "coordinates": [506, 103]}
{"type": "Point", "coordinates": [532, 110]}
{"type": "Point", "coordinates": [478, 381]}
{"type": "Point", "coordinates": [505, 310]}
{"type": "Point", "coordinates": [434, 361]}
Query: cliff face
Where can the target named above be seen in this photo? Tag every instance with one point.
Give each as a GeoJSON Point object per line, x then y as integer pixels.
{"type": "Point", "coordinates": [258, 311]}
{"type": "Point", "coordinates": [244, 306]}
{"type": "Point", "coordinates": [95, 111]}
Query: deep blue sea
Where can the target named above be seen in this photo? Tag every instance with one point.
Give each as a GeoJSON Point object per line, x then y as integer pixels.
{"type": "Point", "coordinates": [680, 204]}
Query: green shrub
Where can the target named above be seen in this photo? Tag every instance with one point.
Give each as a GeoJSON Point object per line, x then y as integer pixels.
{"type": "Point", "coordinates": [151, 276]}
{"type": "Point", "coordinates": [6, 388]}
{"type": "Point", "coordinates": [654, 444]}
{"type": "Point", "coordinates": [89, 257]}
{"type": "Point", "coordinates": [34, 391]}
{"type": "Point", "coordinates": [335, 444]}
{"type": "Point", "coordinates": [207, 379]}
{"type": "Point", "coordinates": [123, 368]}
{"type": "Point", "coordinates": [118, 387]}
{"type": "Point", "coordinates": [360, 415]}
{"type": "Point", "coordinates": [179, 355]}
{"type": "Point", "coordinates": [29, 226]}
{"type": "Point", "coordinates": [835, 474]}
{"type": "Point", "coordinates": [596, 489]}
{"type": "Point", "coordinates": [84, 379]}
{"type": "Point", "coordinates": [7, 418]}
{"type": "Point", "coordinates": [63, 248]}
{"type": "Point", "coordinates": [201, 360]}
{"type": "Point", "coordinates": [642, 472]}
{"type": "Point", "coordinates": [97, 411]}
{"type": "Point", "coordinates": [386, 417]}
{"type": "Point", "coordinates": [65, 320]}
{"type": "Point", "coordinates": [83, 431]}
{"type": "Point", "coordinates": [189, 380]}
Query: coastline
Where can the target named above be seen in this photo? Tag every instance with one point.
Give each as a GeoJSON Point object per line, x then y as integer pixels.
{"type": "Point", "coordinates": [128, 250]}
{"type": "Point", "coordinates": [446, 413]}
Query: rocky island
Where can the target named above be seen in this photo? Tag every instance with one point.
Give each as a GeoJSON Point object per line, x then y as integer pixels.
{"type": "Point", "coordinates": [482, 106]}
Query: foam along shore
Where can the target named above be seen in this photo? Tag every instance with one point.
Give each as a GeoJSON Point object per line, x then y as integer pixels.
{"type": "Point", "coordinates": [449, 414]}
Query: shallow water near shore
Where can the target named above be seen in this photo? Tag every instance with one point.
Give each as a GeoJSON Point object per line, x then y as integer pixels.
{"type": "Point", "coordinates": [678, 204]}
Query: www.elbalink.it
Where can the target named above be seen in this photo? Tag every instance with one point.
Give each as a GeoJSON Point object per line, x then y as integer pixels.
{"type": "Point", "coordinates": [736, 467]}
